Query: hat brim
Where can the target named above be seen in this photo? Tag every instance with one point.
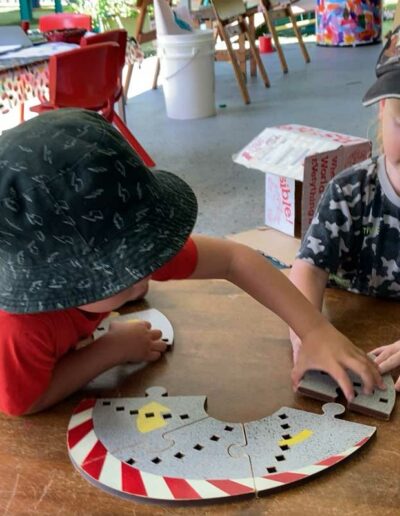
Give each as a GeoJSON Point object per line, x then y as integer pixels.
{"type": "Point", "coordinates": [386, 86]}
{"type": "Point", "coordinates": [147, 243]}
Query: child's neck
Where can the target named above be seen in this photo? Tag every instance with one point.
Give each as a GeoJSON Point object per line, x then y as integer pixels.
{"type": "Point", "coordinates": [393, 173]}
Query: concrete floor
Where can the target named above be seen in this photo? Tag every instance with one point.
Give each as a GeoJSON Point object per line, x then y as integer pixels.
{"type": "Point", "coordinates": [325, 93]}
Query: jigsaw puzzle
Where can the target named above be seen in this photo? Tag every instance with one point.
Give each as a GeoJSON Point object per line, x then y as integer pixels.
{"type": "Point", "coordinates": [168, 449]}
{"type": "Point", "coordinates": [321, 386]}
{"type": "Point", "coordinates": [157, 319]}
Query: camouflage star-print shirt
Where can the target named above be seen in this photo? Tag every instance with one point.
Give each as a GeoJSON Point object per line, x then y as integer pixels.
{"type": "Point", "coordinates": [355, 233]}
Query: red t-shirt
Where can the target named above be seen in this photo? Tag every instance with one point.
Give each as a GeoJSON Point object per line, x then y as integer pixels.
{"type": "Point", "coordinates": [31, 344]}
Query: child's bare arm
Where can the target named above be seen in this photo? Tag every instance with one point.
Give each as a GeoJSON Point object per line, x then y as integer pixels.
{"type": "Point", "coordinates": [311, 281]}
{"type": "Point", "coordinates": [323, 347]}
{"type": "Point", "coordinates": [123, 343]}
{"type": "Point", "coordinates": [250, 271]}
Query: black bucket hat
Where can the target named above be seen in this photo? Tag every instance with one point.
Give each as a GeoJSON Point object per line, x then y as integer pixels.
{"type": "Point", "coordinates": [81, 217]}
{"type": "Point", "coordinates": [387, 71]}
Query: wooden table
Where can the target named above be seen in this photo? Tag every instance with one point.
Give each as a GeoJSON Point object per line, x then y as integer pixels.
{"type": "Point", "coordinates": [238, 354]}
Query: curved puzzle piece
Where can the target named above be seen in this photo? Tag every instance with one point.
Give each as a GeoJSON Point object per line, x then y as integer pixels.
{"type": "Point", "coordinates": [380, 403]}
{"type": "Point", "coordinates": [292, 445]}
{"type": "Point", "coordinates": [168, 448]}
{"type": "Point", "coordinates": [157, 319]}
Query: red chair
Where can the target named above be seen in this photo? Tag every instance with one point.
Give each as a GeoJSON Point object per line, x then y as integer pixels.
{"type": "Point", "coordinates": [58, 21]}
{"type": "Point", "coordinates": [119, 36]}
{"type": "Point", "coordinates": [88, 77]}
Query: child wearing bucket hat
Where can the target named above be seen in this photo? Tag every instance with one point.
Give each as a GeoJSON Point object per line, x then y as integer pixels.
{"type": "Point", "coordinates": [84, 225]}
{"type": "Point", "coordinates": [353, 241]}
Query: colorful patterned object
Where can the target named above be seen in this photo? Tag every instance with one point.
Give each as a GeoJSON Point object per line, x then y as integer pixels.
{"type": "Point", "coordinates": [21, 82]}
{"type": "Point", "coordinates": [168, 449]}
{"type": "Point", "coordinates": [348, 23]}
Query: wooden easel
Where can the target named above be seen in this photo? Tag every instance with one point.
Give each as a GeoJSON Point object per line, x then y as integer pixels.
{"type": "Point", "coordinates": [231, 21]}
{"type": "Point", "coordinates": [142, 37]}
{"type": "Point", "coordinates": [207, 16]}
{"type": "Point", "coordinates": [275, 11]}
{"type": "Point", "coordinates": [396, 20]}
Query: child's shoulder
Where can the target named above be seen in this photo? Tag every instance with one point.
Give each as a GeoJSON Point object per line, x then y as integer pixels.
{"type": "Point", "coordinates": [18, 322]}
{"type": "Point", "coordinates": [364, 171]}
{"type": "Point", "coordinates": [32, 323]}
{"type": "Point", "coordinates": [49, 323]}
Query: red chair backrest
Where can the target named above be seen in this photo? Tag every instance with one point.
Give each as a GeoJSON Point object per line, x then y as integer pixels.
{"type": "Point", "coordinates": [65, 21]}
{"type": "Point", "coordinates": [86, 77]}
{"type": "Point", "coordinates": [119, 36]}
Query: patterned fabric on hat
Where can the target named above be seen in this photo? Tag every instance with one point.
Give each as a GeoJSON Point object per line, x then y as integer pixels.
{"type": "Point", "coordinates": [387, 71]}
{"type": "Point", "coordinates": [81, 217]}
{"type": "Point", "coordinates": [390, 54]}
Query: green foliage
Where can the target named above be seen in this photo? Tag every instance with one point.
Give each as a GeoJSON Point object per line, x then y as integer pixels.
{"type": "Point", "coordinates": [261, 30]}
{"type": "Point", "coordinates": [12, 16]}
{"type": "Point", "coordinates": [101, 10]}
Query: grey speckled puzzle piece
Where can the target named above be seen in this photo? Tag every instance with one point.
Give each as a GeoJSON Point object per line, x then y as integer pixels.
{"type": "Point", "coordinates": [135, 426]}
{"type": "Point", "coordinates": [183, 439]}
{"type": "Point", "coordinates": [319, 385]}
{"type": "Point", "coordinates": [202, 449]}
{"type": "Point", "coordinates": [380, 403]}
{"type": "Point", "coordinates": [169, 449]}
{"type": "Point", "coordinates": [290, 440]}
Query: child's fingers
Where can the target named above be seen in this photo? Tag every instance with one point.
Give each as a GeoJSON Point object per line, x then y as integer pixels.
{"type": "Point", "coordinates": [154, 355]}
{"type": "Point", "coordinates": [378, 351]}
{"type": "Point", "coordinates": [159, 345]}
{"type": "Point", "coordinates": [390, 363]}
{"type": "Point", "coordinates": [369, 373]}
{"type": "Point", "coordinates": [155, 334]}
{"type": "Point", "coordinates": [338, 374]}
{"type": "Point", "coordinates": [297, 374]}
{"type": "Point", "coordinates": [381, 357]}
{"type": "Point", "coordinates": [342, 378]}
{"type": "Point", "coordinates": [157, 349]}
{"type": "Point", "coordinates": [117, 324]}
{"type": "Point", "coordinates": [397, 384]}
{"type": "Point", "coordinates": [365, 367]}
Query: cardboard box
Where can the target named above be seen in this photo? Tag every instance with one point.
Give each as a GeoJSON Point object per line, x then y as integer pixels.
{"type": "Point", "coordinates": [269, 241]}
{"type": "Point", "coordinates": [298, 162]}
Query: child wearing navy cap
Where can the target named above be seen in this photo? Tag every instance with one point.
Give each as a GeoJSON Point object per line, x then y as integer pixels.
{"type": "Point", "coordinates": [353, 240]}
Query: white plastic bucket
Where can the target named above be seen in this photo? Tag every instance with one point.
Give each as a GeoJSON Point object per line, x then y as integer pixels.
{"type": "Point", "coordinates": [187, 65]}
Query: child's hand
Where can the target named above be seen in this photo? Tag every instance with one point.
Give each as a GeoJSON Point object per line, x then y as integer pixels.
{"type": "Point", "coordinates": [326, 349]}
{"type": "Point", "coordinates": [388, 358]}
{"type": "Point", "coordinates": [296, 345]}
{"type": "Point", "coordinates": [136, 341]}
